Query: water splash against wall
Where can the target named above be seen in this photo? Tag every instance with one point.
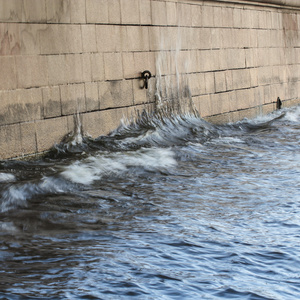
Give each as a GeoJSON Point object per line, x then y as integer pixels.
{"type": "Point", "coordinates": [172, 90]}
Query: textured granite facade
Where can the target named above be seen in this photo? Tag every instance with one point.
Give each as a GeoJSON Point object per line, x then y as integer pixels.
{"type": "Point", "coordinates": [60, 57]}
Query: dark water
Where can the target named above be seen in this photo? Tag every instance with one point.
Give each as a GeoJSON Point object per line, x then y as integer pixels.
{"type": "Point", "coordinates": [167, 208]}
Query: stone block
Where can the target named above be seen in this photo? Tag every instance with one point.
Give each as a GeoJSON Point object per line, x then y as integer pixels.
{"type": "Point", "coordinates": [262, 19]}
{"type": "Point", "coordinates": [242, 99]}
{"type": "Point", "coordinates": [197, 16]}
{"type": "Point", "coordinates": [57, 69]}
{"type": "Point", "coordinates": [264, 75]}
{"type": "Point", "coordinates": [20, 106]}
{"type": "Point", "coordinates": [220, 81]}
{"type": "Point", "coordinates": [114, 12]}
{"type": "Point", "coordinates": [155, 38]}
{"type": "Point", "coordinates": [184, 13]}
{"type": "Point", "coordinates": [216, 41]}
{"type": "Point", "coordinates": [246, 19]}
{"type": "Point", "coordinates": [109, 38]}
{"type": "Point", "coordinates": [232, 101]}
{"type": "Point", "coordinates": [92, 96]}
{"type": "Point", "coordinates": [34, 11]}
{"type": "Point", "coordinates": [72, 99]}
{"type": "Point", "coordinates": [209, 83]}
{"type": "Point", "coordinates": [51, 102]}
{"type": "Point", "coordinates": [89, 43]}
{"type": "Point", "coordinates": [28, 138]}
{"type": "Point", "coordinates": [58, 11]}
{"type": "Point", "coordinates": [77, 11]}
{"type": "Point", "coordinates": [102, 122]}
{"type": "Point", "coordinates": [254, 18]}
{"type": "Point", "coordinates": [218, 17]}
{"type": "Point", "coordinates": [113, 66]}
{"type": "Point", "coordinates": [97, 67]}
{"type": "Point", "coordinates": [145, 12]}
{"type": "Point", "coordinates": [237, 17]}
{"type": "Point", "coordinates": [10, 43]}
{"type": "Point", "coordinates": [159, 13]}
{"type": "Point", "coordinates": [135, 38]}
{"type": "Point", "coordinates": [262, 57]}
{"type": "Point", "coordinates": [129, 68]}
{"type": "Point", "coordinates": [31, 101]}
{"type": "Point", "coordinates": [204, 106]}
{"type": "Point", "coordinates": [74, 68]}
{"type": "Point", "coordinates": [10, 11]}
{"type": "Point", "coordinates": [227, 37]}
{"type": "Point", "coordinates": [50, 132]}
{"type": "Point", "coordinates": [208, 16]}
{"type": "Point", "coordinates": [8, 79]}
{"type": "Point", "coordinates": [137, 62]}
{"type": "Point", "coordinates": [32, 71]}
{"type": "Point", "coordinates": [253, 77]}
{"type": "Point", "coordinates": [64, 69]}
{"type": "Point", "coordinates": [174, 38]}
{"type": "Point", "coordinates": [241, 79]}
{"type": "Point", "coordinates": [205, 38]}
{"type": "Point", "coordinates": [130, 11]}
{"type": "Point", "coordinates": [86, 67]}
{"type": "Point", "coordinates": [219, 103]}
{"type": "Point", "coordinates": [263, 39]}
{"type": "Point", "coordinates": [251, 57]}
{"type": "Point", "coordinates": [10, 107]}
{"type": "Point", "coordinates": [29, 38]}
{"type": "Point", "coordinates": [60, 39]}
{"type": "Point", "coordinates": [197, 83]}
{"type": "Point", "coordinates": [226, 17]}
{"type": "Point", "coordinates": [235, 58]}
{"type": "Point", "coordinates": [97, 11]}
{"type": "Point", "coordinates": [115, 94]}
{"type": "Point", "coordinates": [140, 95]}
{"type": "Point", "coordinates": [10, 141]}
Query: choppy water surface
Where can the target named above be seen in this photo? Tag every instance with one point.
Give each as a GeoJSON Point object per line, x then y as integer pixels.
{"type": "Point", "coordinates": [167, 208]}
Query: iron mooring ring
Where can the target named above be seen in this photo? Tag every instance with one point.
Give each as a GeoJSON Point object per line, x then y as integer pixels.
{"type": "Point", "coordinates": [146, 75]}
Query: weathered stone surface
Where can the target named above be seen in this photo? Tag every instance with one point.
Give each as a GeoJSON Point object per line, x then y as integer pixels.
{"type": "Point", "coordinates": [92, 96]}
{"type": "Point", "coordinates": [78, 11]}
{"type": "Point", "coordinates": [72, 99]}
{"type": "Point", "coordinates": [34, 11]}
{"type": "Point", "coordinates": [31, 71]}
{"type": "Point", "coordinates": [130, 11]}
{"type": "Point", "coordinates": [51, 102]}
{"type": "Point", "coordinates": [28, 138]}
{"type": "Point", "coordinates": [50, 132]}
{"type": "Point", "coordinates": [58, 11]}
{"type": "Point", "coordinates": [113, 66]}
{"type": "Point", "coordinates": [10, 137]}
{"type": "Point", "coordinates": [97, 11]}
{"type": "Point", "coordinates": [115, 94]}
{"type": "Point", "coordinates": [102, 122]}
{"type": "Point", "coordinates": [8, 79]}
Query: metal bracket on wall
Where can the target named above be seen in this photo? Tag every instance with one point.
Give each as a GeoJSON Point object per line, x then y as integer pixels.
{"type": "Point", "coordinates": [146, 75]}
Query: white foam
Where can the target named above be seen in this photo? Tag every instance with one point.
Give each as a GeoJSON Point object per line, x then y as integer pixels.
{"type": "Point", "coordinates": [293, 115]}
{"type": "Point", "coordinates": [7, 177]}
{"type": "Point", "coordinates": [117, 164]}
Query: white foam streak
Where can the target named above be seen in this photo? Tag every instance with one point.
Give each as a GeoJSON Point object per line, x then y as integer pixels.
{"type": "Point", "coordinates": [117, 164]}
{"type": "Point", "coordinates": [7, 177]}
{"type": "Point", "coordinates": [294, 115]}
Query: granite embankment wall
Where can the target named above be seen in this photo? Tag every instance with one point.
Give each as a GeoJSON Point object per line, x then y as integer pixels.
{"type": "Point", "coordinates": [60, 57]}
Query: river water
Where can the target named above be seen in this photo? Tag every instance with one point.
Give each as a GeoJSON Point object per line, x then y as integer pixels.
{"type": "Point", "coordinates": [168, 207]}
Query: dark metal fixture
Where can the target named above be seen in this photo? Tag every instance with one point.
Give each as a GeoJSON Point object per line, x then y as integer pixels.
{"type": "Point", "coordinates": [146, 75]}
{"type": "Point", "coordinates": [278, 103]}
